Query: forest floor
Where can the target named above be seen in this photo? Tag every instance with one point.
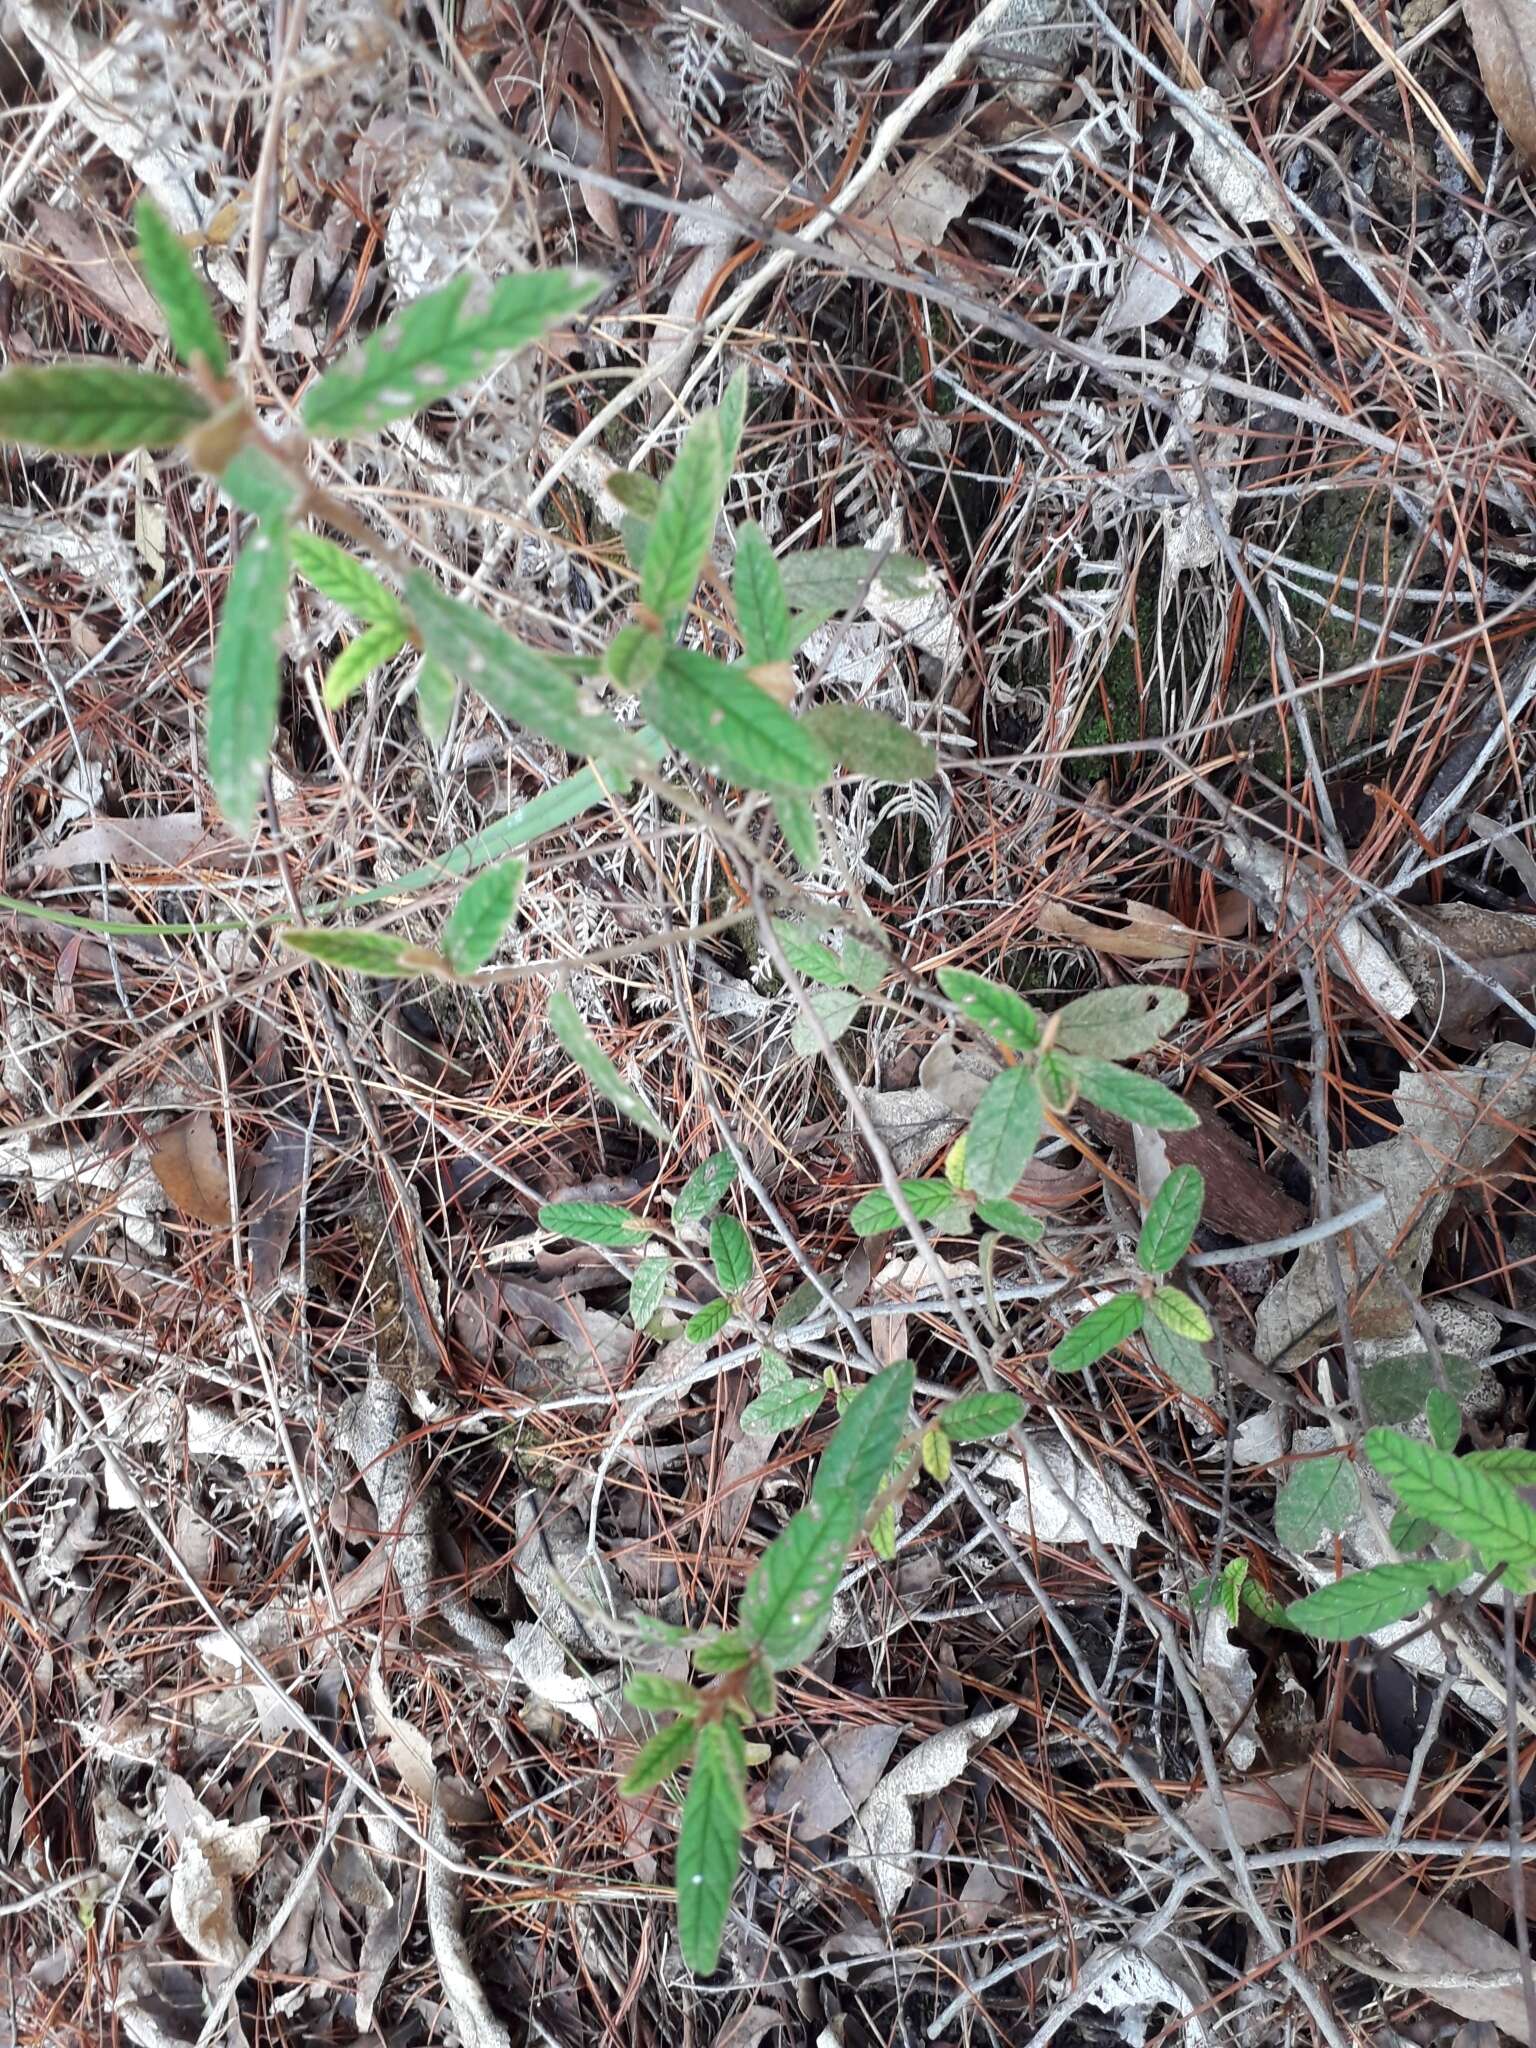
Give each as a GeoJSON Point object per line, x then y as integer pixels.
{"type": "Point", "coordinates": [1189, 349]}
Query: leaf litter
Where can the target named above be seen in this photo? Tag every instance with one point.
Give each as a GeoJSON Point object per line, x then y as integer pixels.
{"type": "Point", "coordinates": [354, 1438]}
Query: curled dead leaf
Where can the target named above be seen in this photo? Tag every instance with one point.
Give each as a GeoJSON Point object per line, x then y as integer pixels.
{"type": "Point", "coordinates": [189, 1162]}
{"type": "Point", "coordinates": [1504, 36]}
{"type": "Point", "coordinates": [272, 1209]}
{"type": "Point", "coordinates": [1500, 944]}
{"type": "Point", "coordinates": [1146, 937]}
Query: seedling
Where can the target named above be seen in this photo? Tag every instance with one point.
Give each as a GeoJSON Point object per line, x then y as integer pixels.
{"type": "Point", "coordinates": [784, 1615]}
{"type": "Point", "coordinates": [731, 717]}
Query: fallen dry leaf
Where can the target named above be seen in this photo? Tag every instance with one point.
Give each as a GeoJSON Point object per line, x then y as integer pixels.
{"type": "Point", "coordinates": [1454, 1959]}
{"type": "Point", "coordinates": [1225, 1675]}
{"type": "Point", "coordinates": [1504, 36]}
{"type": "Point", "coordinates": [750, 2028]}
{"type": "Point", "coordinates": [1055, 1494]}
{"type": "Point", "coordinates": [908, 211]}
{"type": "Point", "coordinates": [272, 1208]}
{"type": "Point", "coordinates": [1243, 1199]}
{"type": "Point", "coordinates": [1142, 939]}
{"type": "Point", "coordinates": [1501, 944]}
{"type": "Point", "coordinates": [885, 1829]}
{"type": "Point", "coordinates": [1311, 897]}
{"type": "Point", "coordinates": [100, 263]}
{"type": "Point", "coordinates": [1454, 1126]}
{"type": "Point", "coordinates": [478, 2026]}
{"type": "Point", "coordinates": [176, 839]}
{"type": "Point", "coordinates": [211, 1854]}
{"type": "Point", "coordinates": [409, 1750]}
{"type": "Point", "coordinates": [1159, 270]}
{"type": "Point", "coordinates": [1264, 1809]}
{"type": "Point", "coordinates": [189, 1163]}
{"type": "Point", "coordinates": [834, 1778]}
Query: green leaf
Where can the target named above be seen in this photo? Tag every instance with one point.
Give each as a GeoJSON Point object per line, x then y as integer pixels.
{"type": "Point", "coordinates": [1003, 1134]}
{"type": "Point", "coordinates": [762, 1695]}
{"type": "Point", "coordinates": [1467, 1502]}
{"type": "Point", "coordinates": [1368, 1600]}
{"type": "Point", "coordinates": [1136, 1097]}
{"type": "Point", "coordinates": [1231, 1588]}
{"type": "Point", "coordinates": [90, 409]}
{"type": "Point", "coordinates": [1511, 1463]}
{"type": "Point", "coordinates": [436, 693]}
{"type": "Point", "coordinates": [684, 525]}
{"type": "Point", "coordinates": [1012, 1219]}
{"type": "Point", "coordinates": [810, 959]}
{"type": "Point", "coordinates": [1396, 1389]}
{"type": "Point", "coordinates": [799, 1306]}
{"type": "Point", "coordinates": [797, 821]}
{"type": "Point", "coordinates": [788, 1601]}
{"type": "Point", "coordinates": [1321, 1495]}
{"type": "Point", "coordinates": [707, 1323]}
{"type": "Point", "coordinates": [731, 1255]}
{"type": "Point", "coordinates": [434, 344]}
{"type": "Point", "coordinates": [636, 536]}
{"type": "Point", "coordinates": [937, 1453]}
{"type": "Point", "coordinates": [1170, 1221]}
{"type": "Point", "coordinates": [1119, 1023]}
{"type": "Point", "coordinates": [837, 1009]}
{"type": "Point", "coordinates": [635, 491]}
{"type": "Point", "coordinates": [855, 1463]}
{"type": "Point", "coordinates": [357, 662]}
{"type": "Point", "coordinates": [1444, 1420]}
{"type": "Point", "coordinates": [865, 966]}
{"type": "Point", "coordinates": [721, 1653]}
{"type": "Point", "coordinates": [343, 579]}
{"type": "Point", "coordinates": [997, 1011]}
{"type": "Point", "coordinates": [654, 1694]}
{"type": "Point", "coordinates": [245, 686]}
{"type": "Point", "coordinates": [634, 656]}
{"type": "Point", "coordinates": [546, 812]}
{"type": "Point", "coordinates": [725, 723]}
{"type": "Point", "coordinates": [876, 1212]}
{"type": "Point", "coordinates": [373, 953]}
{"type": "Point", "coordinates": [833, 580]}
{"type": "Point", "coordinates": [1263, 1604]}
{"type": "Point", "coordinates": [709, 1842]}
{"type": "Point", "coordinates": [733, 417]}
{"type": "Point", "coordinates": [169, 273]}
{"type": "Point", "coordinates": [481, 916]}
{"type": "Point", "coordinates": [1175, 1311]}
{"type": "Point", "coordinates": [1056, 1078]}
{"type": "Point", "coordinates": [974, 1417]}
{"type": "Point", "coordinates": [258, 484]}
{"type": "Point", "coordinates": [666, 1753]}
{"type": "Point", "coordinates": [1409, 1532]}
{"type": "Point", "coordinates": [784, 1399]}
{"type": "Point", "coordinates": [705, 1189]}
{"type": "Point", "coordinates": [648, 1290]}
{"type": "Point", "coordinates": [516, 680]}
{"type": "Point", "coordinates": [1098, 1333]}
{"type": "Point", "coordinates": [593, 1223]}
{"type": "Point", "coordinates": [1181, 1358]}
{"type": "Point", "coordinates": [868, 743]}
{"type": "Point", "coordinates": [566, 1023]}
{"type": "Point", "coordinates": [761, 610]}
{"type": "Point", "coordinates": [882, 1534]}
